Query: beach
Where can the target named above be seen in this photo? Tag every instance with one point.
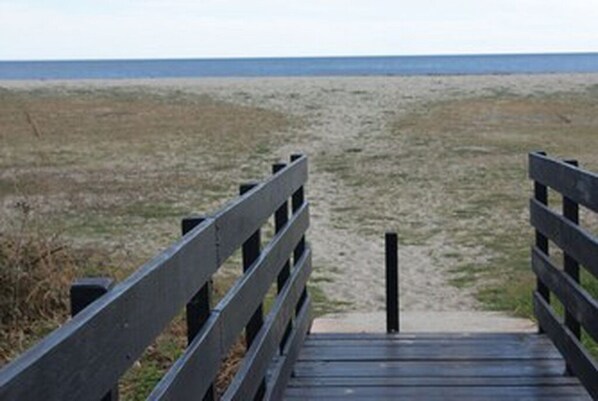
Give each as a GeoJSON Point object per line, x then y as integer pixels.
{"type": "Point", "coordinates": [440, 159]}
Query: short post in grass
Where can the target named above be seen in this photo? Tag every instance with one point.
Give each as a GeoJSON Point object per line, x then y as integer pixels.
{"type": "Point", "coordinates": [199, 307]}
{"type": "Point", "coordinates": [392, 282]}
{"type": "Point", "coordinates": [84, 292]}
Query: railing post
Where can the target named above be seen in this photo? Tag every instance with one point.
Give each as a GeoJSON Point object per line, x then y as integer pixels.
{"type": "Point", "coordinates": [199, 307]}
{"type": "Point", "coordinates": [570, 265]}
{"type": "Point", "coordinates": [251, 251]}
{"type": "Point", "coordinates": [541, 195]}
{"type": "Point", "coordinates": [281, 218]}
{"type": "Point", "coordinates": [297, 201]}
{"type": "Point", "coordinates": [82, 293]}
{"type": "Point", "coordinates": [392, 283]}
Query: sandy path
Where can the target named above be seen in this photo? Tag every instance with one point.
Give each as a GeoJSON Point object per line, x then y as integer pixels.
{"type": "Point", "coordinates": [345, 113]}
{"type": "Point", "coordinates": [340, 114]}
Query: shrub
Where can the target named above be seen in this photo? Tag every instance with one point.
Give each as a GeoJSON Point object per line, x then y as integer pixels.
{"type": "Point", "coordinates": [36, 270]}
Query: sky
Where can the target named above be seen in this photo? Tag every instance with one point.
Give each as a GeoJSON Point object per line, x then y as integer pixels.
{"type": "Point", "coordinates": [106, 29]}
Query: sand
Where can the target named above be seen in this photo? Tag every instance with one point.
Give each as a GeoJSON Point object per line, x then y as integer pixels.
{"type": "Point", "coordinates": [350, 114]}
{"type": "Point", "coordinates": [424, 321]}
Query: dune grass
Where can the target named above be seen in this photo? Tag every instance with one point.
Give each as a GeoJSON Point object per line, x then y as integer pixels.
{"type": "Point", "coordinates": [107, 176]}
{"type": "Point", "coordinates": [453, 175]}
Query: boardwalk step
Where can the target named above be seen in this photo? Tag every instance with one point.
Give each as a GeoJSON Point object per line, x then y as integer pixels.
{"type": "Point", "coordinates": [519, 366]}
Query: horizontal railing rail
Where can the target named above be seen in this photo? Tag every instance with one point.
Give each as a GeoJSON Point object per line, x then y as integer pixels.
{"type": "Point", "coordinates": [568, 236]}
{"type": "Point", "coordinates": [577, 300]}
{"type": "Point", "coordinates": [566, 178]}
{"type": "Point", "coordinates": [577, 187]}
{"type": "Point", "coordinates": [86, 357]}
{"type": "Point", "coordinates": [227, 321]}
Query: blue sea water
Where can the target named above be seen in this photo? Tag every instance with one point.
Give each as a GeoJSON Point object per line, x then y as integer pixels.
{"type": "Point", "coordinates": [306, 66]}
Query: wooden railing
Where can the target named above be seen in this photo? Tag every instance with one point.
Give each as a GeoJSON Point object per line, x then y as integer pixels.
{"type": "Point", "coordinates": [580, 249]}
{"type": "Point", "coordinates": [85, 358]}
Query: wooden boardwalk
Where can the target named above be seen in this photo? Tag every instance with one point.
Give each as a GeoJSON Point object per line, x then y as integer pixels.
{"type": "Point", "coordinates": [113, 326]}
{"type": "Point", "coordinates": [431, 367]}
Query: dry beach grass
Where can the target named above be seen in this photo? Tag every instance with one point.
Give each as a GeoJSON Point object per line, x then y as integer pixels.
{"type": "Point", "coordinates": [113, 165]}
{"type": "Point", "coordinates": [105, 178]}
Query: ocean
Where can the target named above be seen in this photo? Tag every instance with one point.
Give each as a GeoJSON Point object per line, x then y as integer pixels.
{"type": "Point", "coordinates": [302, 66]}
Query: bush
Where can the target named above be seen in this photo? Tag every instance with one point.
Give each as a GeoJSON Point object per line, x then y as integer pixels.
{"type": "Point", "coordinates": [36, 270]}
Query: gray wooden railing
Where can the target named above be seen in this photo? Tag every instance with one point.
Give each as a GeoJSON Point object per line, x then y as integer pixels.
{"type": "Point", "coordinates": [85, 358]}
{"type": "Point", "coordinates": [580, 249]}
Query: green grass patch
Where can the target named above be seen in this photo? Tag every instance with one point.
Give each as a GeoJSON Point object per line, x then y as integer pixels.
{"type": "Point", "coordinates": [158, 210]}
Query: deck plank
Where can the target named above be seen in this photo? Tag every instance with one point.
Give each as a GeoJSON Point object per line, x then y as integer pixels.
{"type": "Point", "coordinates": [431, 366]}
{"type": "Point", "coordinates": [441, 393]}
{"type": "Point", "coordinates": [407, 352]}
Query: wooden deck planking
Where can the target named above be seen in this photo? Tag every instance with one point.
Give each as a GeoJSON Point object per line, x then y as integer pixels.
{"type": "Point", "coordinates": [431, 367]}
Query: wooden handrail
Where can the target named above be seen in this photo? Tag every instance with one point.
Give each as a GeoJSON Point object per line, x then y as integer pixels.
{"type": "Point", "coordinates": [568, 236]}
{"type": "Point", "coordinates": [577, 184]}
{"type": "Point", "coordinates": [579, 246]}
{"type": "Point", "coordinates": [86, 357]}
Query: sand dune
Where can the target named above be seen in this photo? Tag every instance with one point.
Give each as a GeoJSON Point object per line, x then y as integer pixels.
{"type": "Point", "coordinates": [371, 172]}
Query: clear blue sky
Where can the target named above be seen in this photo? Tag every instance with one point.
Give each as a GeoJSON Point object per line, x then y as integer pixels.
{"type": "Point", "coordinates": [79, 29]}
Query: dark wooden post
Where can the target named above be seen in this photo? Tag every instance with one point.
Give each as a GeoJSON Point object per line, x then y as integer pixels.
{"type": "Point", "coordinates": [541, 195]}
{"type": "Point", "coordinates": [281, 218]}
{"type": "Point", "coordinates": [392, 283]}
{"type": "Point", "coordinates": [571, 267]}
{"type": "Point", "coordinates": [251, 251]}
{"type": "Point", "coordinates": [82, 293]}
{"type": "Point", "coordinates": [297, 201]}
{"type": "Point", "coordinates": [199, 307]}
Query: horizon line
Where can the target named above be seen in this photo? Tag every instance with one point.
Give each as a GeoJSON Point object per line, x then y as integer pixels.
{"type": "Point", "coordinates": [236, 58]}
